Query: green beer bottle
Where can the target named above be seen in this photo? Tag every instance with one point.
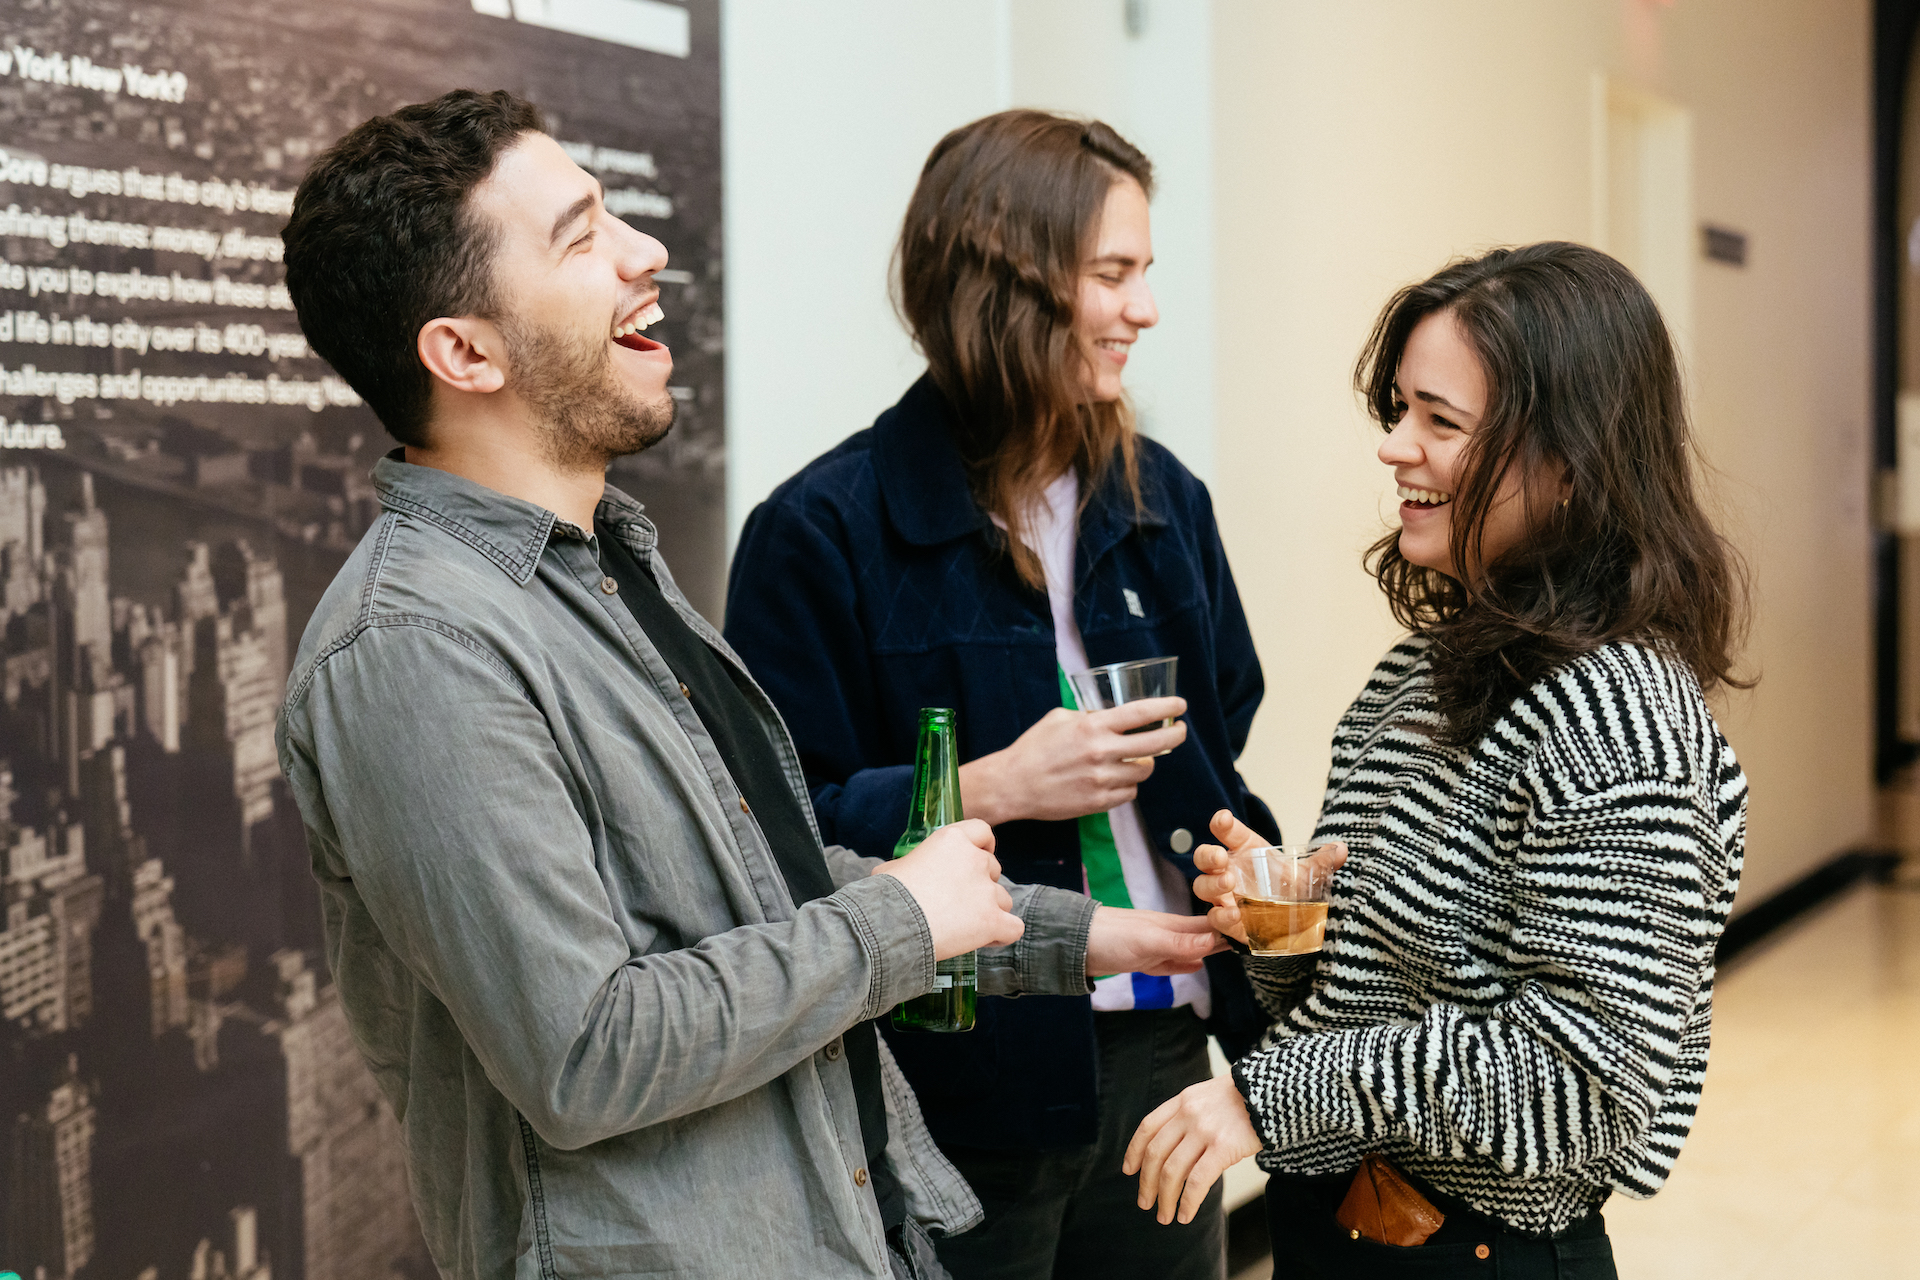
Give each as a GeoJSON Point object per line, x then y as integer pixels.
{"type": "Point", "coordinates": [936, 802]}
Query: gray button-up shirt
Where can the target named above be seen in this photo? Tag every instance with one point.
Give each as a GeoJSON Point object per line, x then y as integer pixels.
{"type": "Point", "coordinates": [563, 945]}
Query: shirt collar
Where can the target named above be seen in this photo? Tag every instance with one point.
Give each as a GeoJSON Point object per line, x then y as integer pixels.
{"type": "Point", "coordinates": [509, 531]}
{"type": "Point", "coordinates": [924, 481]}
{"type": "Point", "coordinates": [622, 516]}
{"type": "Point", "coordinates": [922, 477]}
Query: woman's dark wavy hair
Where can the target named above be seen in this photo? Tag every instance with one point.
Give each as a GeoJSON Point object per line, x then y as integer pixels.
{"type": "Point", "coordinates": [988, 276]}
{"type": "Point", "coordinates": [1582, 381]}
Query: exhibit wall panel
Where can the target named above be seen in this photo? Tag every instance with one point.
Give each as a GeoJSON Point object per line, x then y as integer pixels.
{"type": "Point", "coordinates": [1360, 147]}
{"type": "Point", "coordinates": [180, 478]}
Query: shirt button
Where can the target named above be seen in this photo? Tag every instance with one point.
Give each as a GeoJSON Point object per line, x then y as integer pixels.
{"type": "Point", "coordinates": [859, 1177]}
{"type": "Point", "coordinates": [1481, 1252]}
{"type": "Point", "coordinates": [609, 586]}
{"type": "Point", "coordinates": [686, 693]}
{"type": "Point", "coordinates": [833, 1052]}
{"type": "Point", "coordinates": [1181, 840]}
{"type": "Point", "coordinates": [743, 805]}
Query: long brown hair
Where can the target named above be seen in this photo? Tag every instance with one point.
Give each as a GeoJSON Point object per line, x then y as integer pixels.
{"type": "Point", "coordinates": [988, 278]}
{"type": "Point", "coordinates": [1582, 380]}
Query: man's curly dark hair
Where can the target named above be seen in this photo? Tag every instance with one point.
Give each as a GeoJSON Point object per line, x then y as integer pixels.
{"type": "Point", "coordinates": [383, 239]}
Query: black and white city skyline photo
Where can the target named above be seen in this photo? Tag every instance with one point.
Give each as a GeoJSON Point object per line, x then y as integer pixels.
{"type": "Point", "coordinates": [179, 479]}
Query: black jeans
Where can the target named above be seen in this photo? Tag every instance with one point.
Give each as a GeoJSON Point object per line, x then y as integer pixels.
{"type": "Point", "coordinates": [1071, 1213]}
{"type": "Point", "coordinates": [1309, 1245]}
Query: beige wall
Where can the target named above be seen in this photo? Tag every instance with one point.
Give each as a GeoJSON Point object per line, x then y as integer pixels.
{"type": "Point", "coordinates": [1360, 146]}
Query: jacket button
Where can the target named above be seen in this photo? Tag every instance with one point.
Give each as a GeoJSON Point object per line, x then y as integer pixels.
{"type": "Point", "coordinates": [833, 1051]}
{"type": "Point", "coordinates": [686, 693]}
{"type": "Point", "coordinates": [609, 586]}
{"type": "Point", "coordinates": [859, 1177]}
{"type": "Point", "coordinates": [1181, 840]}
{"type": "Point", "coordinates": [743, 805]}
{"type": "Point", "coordinates": [1481, 1252]}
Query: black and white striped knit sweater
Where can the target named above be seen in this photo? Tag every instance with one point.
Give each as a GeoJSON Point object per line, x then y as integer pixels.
{"type": "Point", "coordinates": [1514, 999]}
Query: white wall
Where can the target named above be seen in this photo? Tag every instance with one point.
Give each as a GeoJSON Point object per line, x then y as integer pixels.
{"type": "Point", "coordinates": [1154, 85]}
{"type": "Point", "coordinates": [828, 112]}
{"type": "Point", "coordinates": [1782, 351]}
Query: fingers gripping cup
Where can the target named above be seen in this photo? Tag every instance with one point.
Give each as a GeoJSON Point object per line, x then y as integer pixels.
{"type": "Point", "coordinates": [1282, 892]}
{"type": "Point", "coordinates": [1104, 688]}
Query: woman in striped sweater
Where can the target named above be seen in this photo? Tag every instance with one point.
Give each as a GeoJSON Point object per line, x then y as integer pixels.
{"type": "Point", "coordinates": [1545, 824]}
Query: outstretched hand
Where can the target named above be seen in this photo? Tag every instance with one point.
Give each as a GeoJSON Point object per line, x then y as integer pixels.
{"type": "Point", "coordinates": [1186, 1143]}
{"type": "Point", "coordinates": [1125, 940]}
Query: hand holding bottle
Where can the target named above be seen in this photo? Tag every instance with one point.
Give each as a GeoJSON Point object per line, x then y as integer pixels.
{"type": "Point", "coordinates": [1072, 763]}
{"type": "Point", "coordinates": [955, 878]}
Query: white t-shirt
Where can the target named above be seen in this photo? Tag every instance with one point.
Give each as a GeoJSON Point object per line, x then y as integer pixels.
{"type": "Point", "coordinates": [1153, 883]}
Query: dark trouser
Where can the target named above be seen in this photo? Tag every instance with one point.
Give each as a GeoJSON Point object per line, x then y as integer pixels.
{"type": "Point", "coordinates": [1309, 1245]}
{"type": "Point", "coordinates": [1070, 1213]}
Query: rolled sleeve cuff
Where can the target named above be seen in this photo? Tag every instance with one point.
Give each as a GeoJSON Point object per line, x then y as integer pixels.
{"type": "Point", "coordinates": [1051, 957]}
{"type": "Point", "coordinates": [894, 934]}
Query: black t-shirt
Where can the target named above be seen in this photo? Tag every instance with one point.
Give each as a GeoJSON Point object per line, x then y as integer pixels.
{"type": "Point", "coordinates": [751, 761]}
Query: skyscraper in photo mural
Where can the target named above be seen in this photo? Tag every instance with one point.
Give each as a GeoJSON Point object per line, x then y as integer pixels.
{"type": "Point", "coordinates": [180, 1095]}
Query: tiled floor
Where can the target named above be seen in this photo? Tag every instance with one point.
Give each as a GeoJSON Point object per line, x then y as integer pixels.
{"type": "Point", "coordinates": [1805, 1159]}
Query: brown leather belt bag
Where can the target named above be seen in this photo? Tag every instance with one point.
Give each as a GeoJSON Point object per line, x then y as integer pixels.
{"type": "Point", "coordinates": [1385, 1208]}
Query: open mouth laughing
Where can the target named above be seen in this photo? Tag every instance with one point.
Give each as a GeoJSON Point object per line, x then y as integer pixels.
{"type": "Point", "coordinates": [1423, 499]}
{"type": "Point", "coordinates": [627, 334]}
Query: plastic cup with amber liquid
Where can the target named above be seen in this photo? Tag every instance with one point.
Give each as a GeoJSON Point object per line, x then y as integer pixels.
{"type": "Point", "coordinates": [1282, 892]}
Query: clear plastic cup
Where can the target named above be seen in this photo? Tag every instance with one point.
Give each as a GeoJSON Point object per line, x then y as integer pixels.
{"type": "Point", "coordinates": [1117, 683]}
{"type": "Point", "coordinates": [1282, 892]}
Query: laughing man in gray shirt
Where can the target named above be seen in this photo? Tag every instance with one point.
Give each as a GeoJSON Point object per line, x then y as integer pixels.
{"type": "Point", "coordinates": [578, 911]}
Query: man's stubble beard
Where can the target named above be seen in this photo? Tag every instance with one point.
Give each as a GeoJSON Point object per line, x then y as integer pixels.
{"type": "Point", "coordinates": [587, 418]}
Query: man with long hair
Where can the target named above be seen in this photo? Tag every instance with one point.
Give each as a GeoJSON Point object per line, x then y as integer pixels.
{"type": "Point", "coordinates": [581, 921]}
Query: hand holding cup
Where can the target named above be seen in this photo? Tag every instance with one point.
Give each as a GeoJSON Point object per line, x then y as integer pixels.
{"type": "Point", "coordinates": [1117, 684]}
{"type": "Point", "coordinates": [1285, 883]}
{"type": "Point", "coordinates": [1070, 763]}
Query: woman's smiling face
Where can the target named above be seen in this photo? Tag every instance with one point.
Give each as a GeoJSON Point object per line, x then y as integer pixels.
{"type": "Point", "coordinates": [1115, 302]}
{"type": "Point", "coordinates": [1441, 392]}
